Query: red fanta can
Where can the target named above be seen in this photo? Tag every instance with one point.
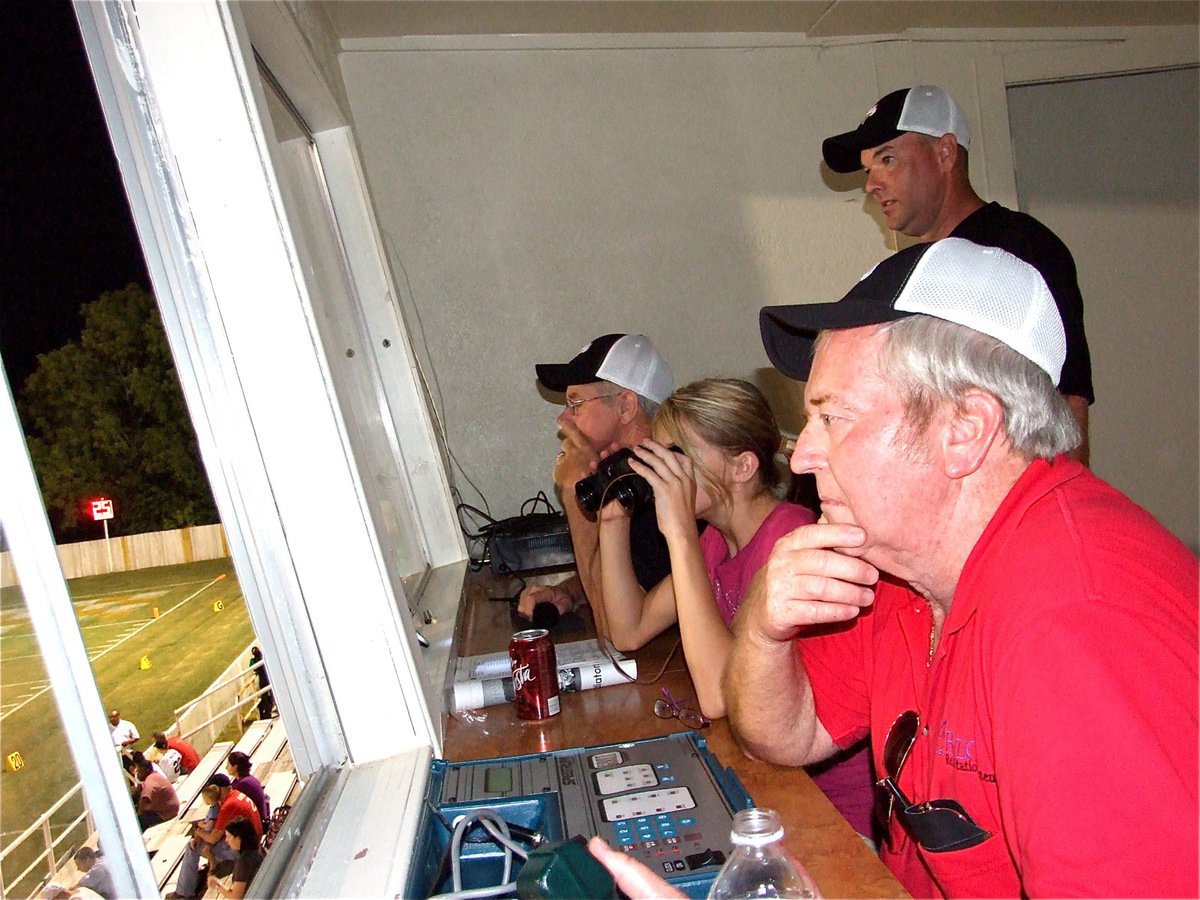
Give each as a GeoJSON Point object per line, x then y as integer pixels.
{"type": "Point", "coordinates": [534, 674]}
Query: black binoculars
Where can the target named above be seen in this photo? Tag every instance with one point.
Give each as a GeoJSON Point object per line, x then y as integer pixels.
{"type": "Point", "coordinates": [614, 480]}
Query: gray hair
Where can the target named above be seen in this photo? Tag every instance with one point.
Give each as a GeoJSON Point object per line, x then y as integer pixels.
{"type": "Point", "coordinates": [932, 361]}
{"type": "Point", "coordinates": [645, 404]}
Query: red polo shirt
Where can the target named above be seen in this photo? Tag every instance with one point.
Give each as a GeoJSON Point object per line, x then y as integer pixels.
{"type": "Point", "coordinates": [1060, 708]}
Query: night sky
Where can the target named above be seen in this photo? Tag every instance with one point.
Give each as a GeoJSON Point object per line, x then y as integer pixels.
{"type": "Point", "coordinates": [67, 233]}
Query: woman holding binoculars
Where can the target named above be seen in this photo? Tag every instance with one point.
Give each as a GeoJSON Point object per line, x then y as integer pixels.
{"type": "Point", "coordinates": [713, 458]}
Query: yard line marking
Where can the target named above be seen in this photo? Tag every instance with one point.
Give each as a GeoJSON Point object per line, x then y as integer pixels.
{"type": "Point", "coordinates": [124, 624]}
{"type": "Point", "coordinates": [124, 593]}
{"type": "Point", "coordinates": [149, 622]}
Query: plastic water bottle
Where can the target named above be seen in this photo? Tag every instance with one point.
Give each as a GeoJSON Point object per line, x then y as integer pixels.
{"type": "Point", "coordinates": [760, 865]}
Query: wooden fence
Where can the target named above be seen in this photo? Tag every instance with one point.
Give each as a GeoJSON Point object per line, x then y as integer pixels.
{"type": "Point", "coordinates": [133, 551]}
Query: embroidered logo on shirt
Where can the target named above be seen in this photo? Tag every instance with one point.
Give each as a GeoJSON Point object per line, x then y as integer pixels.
{"type": "Point", "coordinates": [958, 752]}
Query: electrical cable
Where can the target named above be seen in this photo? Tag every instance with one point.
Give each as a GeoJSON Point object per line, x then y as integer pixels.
{"type": "Point", "coordinates": [602, 638]}
{"type": "Point", "coordinates": [495, 825]}
{"type": "Point", "coordinates": [529, 507]}
{"type": "Point", "coordinates": [478, 531]}
{"type": "Point", "coordinates": [435, 404]}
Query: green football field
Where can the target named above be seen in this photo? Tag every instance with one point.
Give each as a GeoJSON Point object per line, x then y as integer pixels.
{"type": "Point", "coordinates": [156, 638]}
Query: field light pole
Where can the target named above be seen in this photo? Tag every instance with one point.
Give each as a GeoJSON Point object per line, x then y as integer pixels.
{"type": "Point", "coordinates": [102, 511]}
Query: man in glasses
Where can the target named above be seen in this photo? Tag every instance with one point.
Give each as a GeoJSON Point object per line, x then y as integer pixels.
{"type": "Point", "coordinates": [1018, 638]}
{"type": "Point", "coordinates": [612, 389]}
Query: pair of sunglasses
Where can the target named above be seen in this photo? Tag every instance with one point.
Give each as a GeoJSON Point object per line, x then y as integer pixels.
{"type": "Point", "coordinates": [937, 826]}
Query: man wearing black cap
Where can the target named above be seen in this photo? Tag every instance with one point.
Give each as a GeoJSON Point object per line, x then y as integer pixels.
{"type": "Point", "coordinates": [913, 145]}
{"type": "Point", "coordinates": [1016, 625]}
{"type": "Point", "coordinates": [612, 387]}
{"type": "Point", "coordinates": [1017, 638]}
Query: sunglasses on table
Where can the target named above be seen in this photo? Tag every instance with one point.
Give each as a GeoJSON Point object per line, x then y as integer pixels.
{"type": "Point", "coordinates": [667, 707]}
{"type": "Point", "coordinates": [936, 825]}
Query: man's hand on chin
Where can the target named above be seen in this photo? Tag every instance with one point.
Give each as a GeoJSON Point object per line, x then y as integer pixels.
{"type": "Point", "coordinates": [576, 458]}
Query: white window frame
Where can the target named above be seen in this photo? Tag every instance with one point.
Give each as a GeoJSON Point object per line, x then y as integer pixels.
{"type": "Point", "coordinates": [182, 96]}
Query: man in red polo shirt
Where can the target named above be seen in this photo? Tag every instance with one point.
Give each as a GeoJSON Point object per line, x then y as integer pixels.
{"type": "Point", "coordinates": [1020, 638]}
{"type": "Point", "coordinates": [1017, 637]}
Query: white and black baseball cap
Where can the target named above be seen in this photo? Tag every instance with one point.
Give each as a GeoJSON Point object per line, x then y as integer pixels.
{"type": "Point", "coordinates": [984, 288]}
{"type": "Point", "coordinates": [627, 360]}
{"type": "Point", "coordinates": [924, 109]}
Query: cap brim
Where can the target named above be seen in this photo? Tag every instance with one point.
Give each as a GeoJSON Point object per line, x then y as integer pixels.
{"type": "Point", "coordinates": [788, 332]}
{"type": "Point", "coordinates": [843, 152]}
{"type": "Point", "coordinates": [557, 377]}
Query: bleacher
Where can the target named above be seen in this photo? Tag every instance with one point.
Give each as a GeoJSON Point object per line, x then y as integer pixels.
{"type": "Point", "coordinates": [265, 742]}
{"type": "Point", "coordinates": [165, 842]}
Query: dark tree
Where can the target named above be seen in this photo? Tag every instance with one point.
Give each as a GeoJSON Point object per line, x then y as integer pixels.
{"type": "Point", "coordinates": [105, 417]}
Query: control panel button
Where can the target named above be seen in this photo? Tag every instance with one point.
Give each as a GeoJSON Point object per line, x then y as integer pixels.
{"type": "Point", "coordinates": [705, 858]}
{"type": "Point", "coordinates": [607, 759]}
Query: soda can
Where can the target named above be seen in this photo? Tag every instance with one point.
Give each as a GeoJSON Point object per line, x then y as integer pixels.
{"type": "Point", "coordinates": [534, 674]}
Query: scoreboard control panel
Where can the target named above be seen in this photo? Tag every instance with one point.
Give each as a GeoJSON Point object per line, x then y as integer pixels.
{"type": "Point", "coordinates": [666, 801]}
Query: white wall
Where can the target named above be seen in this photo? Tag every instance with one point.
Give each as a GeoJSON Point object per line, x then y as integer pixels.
{"type": "Point", "coordinates": [535, 197]}
{"type": "Point", "coordinates": [1111, 165]}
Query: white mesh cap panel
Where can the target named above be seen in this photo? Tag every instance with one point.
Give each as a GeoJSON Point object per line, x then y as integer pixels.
{"type": "Point", "coordinates": [930, 110]}
{"type": "Point", "coordinates": [634, 363]}
{"type": "Point", "coordinates": [991, 291]}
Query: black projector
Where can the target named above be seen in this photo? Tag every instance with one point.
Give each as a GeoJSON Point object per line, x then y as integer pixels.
{"type": "Point", "coordinates": [526, 543]}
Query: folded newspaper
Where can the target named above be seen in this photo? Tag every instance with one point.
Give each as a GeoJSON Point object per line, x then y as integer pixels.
{"type": "Point", "coordinates": [486, 680]}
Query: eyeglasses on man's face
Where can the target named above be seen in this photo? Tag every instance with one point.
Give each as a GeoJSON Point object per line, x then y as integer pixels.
{"type": "Point", "coordinates": [573, 405]}
{"type": "Point", "coordinates": [667, 707]}
{"type": "Point", "coordinates": [936, 825]}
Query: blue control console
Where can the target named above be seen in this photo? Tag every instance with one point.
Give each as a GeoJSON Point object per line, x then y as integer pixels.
{"type": "Point", "coordinates": [665, 801]}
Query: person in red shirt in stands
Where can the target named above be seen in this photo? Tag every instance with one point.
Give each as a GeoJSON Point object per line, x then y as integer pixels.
{"type": "Point", "coordinates": [208, 837]}
{"type": "Point", "coordinates": [187, 752]}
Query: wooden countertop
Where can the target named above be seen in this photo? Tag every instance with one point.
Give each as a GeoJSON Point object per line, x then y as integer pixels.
{"type": "Point", "coordinates": [839, 861]}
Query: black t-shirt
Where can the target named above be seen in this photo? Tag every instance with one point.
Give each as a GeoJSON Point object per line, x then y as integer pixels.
{"type": "Point", "coordinates": [993, 225]}
{"type": "Point", "coordinates": [647, 546]}
{"type": "Point", "coordinates": [245, 867]}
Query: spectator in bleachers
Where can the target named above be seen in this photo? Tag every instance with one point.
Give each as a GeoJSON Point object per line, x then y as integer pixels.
{"type": "Point", "coordinates": [157, 801]}
{"type": "Point", "coordinates": [240, 770]}
{"type": "Point", "coordinates": [187, 753]}
{"type": "Point", "coordinates": [137, 756]}
{"type": "Point", "coordinates": [96, 876]}
{"type": "Point", "coordinates": [247, 843]}
{"type": "Point", "coordinates": [266, 703]}
{"type": "Point", "coordinates": [132, 779]}
{"type": "Point", "coordinates": [124, 736]}
{"type": "Point", "coordinates": [208, 837]}
{"type": "Point", "coordinates": [188, 756]}
{"type": "Point", "coordinates": [171, 763]}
